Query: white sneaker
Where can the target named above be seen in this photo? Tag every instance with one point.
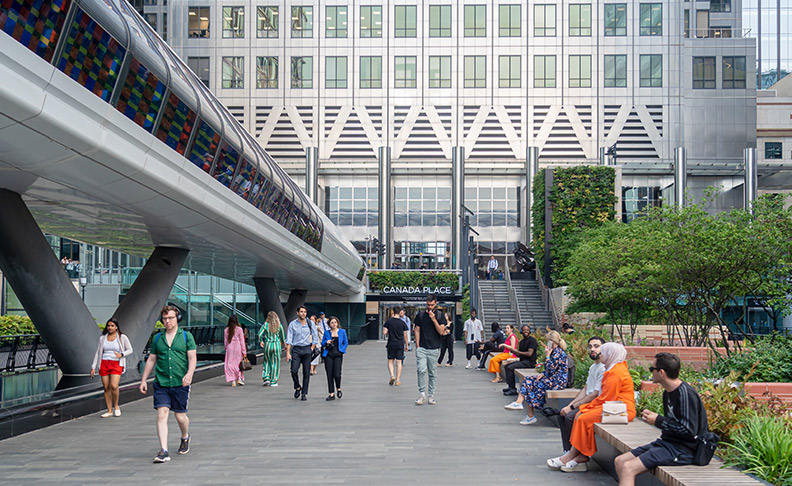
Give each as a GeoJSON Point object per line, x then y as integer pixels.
{"type": "Point", "coordinates": [513, 406]}
{"type": "Point", "coordinates": [528, 420]}
{"type": "Point", "coordinates": [107, 415]}
{"type": "Point", "coordinates": [468, 366]}
{"type": "Point", "coordinates": [431, 400]}
{"type": "Point", "coordinates": [273, 384]}
{"type": "Point", "coordinates": [573, 467]}
{"type": "Point", "coordinates": [117, 412]}
{"type": "Point", "coordinates": [421, 400]}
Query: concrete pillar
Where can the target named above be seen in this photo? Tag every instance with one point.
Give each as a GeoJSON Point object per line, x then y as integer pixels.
{"type": "Point", "coordinates": [603, 158]}
{"type": "Point", "coordinates": [140, 309]}
{"type": "Point", "coordinates": [312, 174]}
{"type": "Point", "coordinates": [680, 176]}
{"type": "Point", "coordinates": [751, 178]}
{"type": "Point", "coordinates": [45, 291]}
{"type": "Point", "coordinates": [270, 299]}
{"type": "Point", "coordinates": [296, 299]}
{"type": "Point", "coordinates": [531, 169]}
{"type": "Point", "coordinates": [385, 234]}
{"type": "Point", "coordinates": [457, 200]}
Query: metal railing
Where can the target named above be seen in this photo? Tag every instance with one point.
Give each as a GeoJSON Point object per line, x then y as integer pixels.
{"type": "Point", "coordinates": [716, 33]}
{"type": "Point", "coordinates": [515, 304]}
{"type": "Point", "coordinates": [24, 351]}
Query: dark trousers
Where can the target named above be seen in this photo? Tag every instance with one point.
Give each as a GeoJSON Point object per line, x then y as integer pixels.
{"type": "Point", "coordinates": [446, 343]}
{"type": "Point", "coordinates": [510, 371]}
{"type": "Point", "coordinates": [488, 346]}
{"type": "Point", "coordinates": [301, 355]}
{"type": "Point", "coordinates": [565, 424]}
{"type": "Point", "coordinates": [471, 349]}
{"type": "Point", "coordinates": [333, 370]}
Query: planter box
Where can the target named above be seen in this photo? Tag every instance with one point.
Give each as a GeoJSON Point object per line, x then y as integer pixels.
{"type": "Point", "coordinates": [654, 334]}
{"type": "Point", "coordinates": [757, 390]}
{"type": "Point", "coordinates": [696, 357]}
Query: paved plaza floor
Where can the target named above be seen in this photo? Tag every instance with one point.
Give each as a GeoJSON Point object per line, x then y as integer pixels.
{"type": "Point", "coordinates": [374, 435]}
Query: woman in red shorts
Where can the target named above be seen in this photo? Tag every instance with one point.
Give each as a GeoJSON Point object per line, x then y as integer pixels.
{"type": "Point", "coordinates": [112, 351]}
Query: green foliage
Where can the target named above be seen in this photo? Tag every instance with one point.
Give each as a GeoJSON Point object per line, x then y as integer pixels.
{"type": "Point", "coordinates": [650, 400]}
{"type": "Point", "coordinates": [770, 359]}
{"type": "Point", "coordinates": [727, 405]}
{"type": "Point", "coordinates": [577, 343]}
{"type": "Point", "coordinates": [466, 302]}
{"type": "Point", "coordinates": [580, 197]}
{"type": "Point", "coordinates": [10, 325]}
{"type": "Point", "coordinates": [378, 280]}
{"type": "Point", "coordinates": [763, 446]}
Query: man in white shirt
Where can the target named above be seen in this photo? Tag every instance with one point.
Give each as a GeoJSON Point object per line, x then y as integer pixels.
{"type": "Point", "coordinates": [590, 392]}
{"type": "Point", "coordinates": [491, 267]}
{"type": "Point", "coordinates": [407, 321]}
{"type": "Point", "coordinates": [323, 322]}
{"type": "Point", "coordinates": [474, 334]}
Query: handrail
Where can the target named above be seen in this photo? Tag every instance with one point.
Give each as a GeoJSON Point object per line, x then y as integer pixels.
{"type": "Point", "coordinates": [479, 303]}
{"type": "Point", "coordinates": [515, 304]}
{"type": "Point", "coordinates": [24, 351]}
{"type": "Point", "coordinates": [547, 298]}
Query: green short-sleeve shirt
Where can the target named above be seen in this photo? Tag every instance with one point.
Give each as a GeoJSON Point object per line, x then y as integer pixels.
{"type": "Point", "coordinates": [172, 361]}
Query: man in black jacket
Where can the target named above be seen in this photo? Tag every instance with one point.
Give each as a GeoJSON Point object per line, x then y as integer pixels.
{"type": "Point", "coordinates": [684, 418]}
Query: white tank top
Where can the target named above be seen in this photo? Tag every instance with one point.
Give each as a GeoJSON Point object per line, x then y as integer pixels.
{"type": "Point", "coordinates": [110, 348]}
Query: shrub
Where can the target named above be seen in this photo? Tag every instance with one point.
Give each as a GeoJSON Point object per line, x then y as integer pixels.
{"type": "Point", "coordinates": [763, 446]}
{"type": "Point", "coordinates": [770, 359]}
{"type": "Point", "coordinates": [577, 343]}
{"type": "Point", "coordinates": [727, 405]}
{"type": "Point", "coordinates": [10, 325]}
{"type": "Point", "coordinates": [650, 400]}
{"type": "Point", "coordinates": [378, 280]}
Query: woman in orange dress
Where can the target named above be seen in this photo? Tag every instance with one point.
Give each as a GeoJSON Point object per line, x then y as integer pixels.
{"type": "Point", "coordinates": [495, 362]}
{"type": "Point", "coordinates": [616, 385]}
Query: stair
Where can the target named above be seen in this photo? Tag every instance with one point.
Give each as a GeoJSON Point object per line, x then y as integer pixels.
{"type": "Point", "coordinates": [532, 308]}
{"type": "Point", "coordinates": [495, 304]}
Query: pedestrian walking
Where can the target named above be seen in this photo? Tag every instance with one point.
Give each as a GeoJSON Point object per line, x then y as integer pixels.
{"type": "Point", "coordinates": [111, 354]}
{"type": "Point", "coordinates": [235, 350]}
{"type": "Point", "coordinates": [173, 358]}
{"type": "Point", "coordinates": [334, 345]}
{"type": "Point", "coordinates": [301, 339]}
{"type": "Point", "coordinates": [429, 325]}
{"type": "Point", "coordinates": [271, 340]}
{"type": "Point", "coordinates": [397, 333]}
{"type": "Point", "coordinates": [473, 333]}
{"type": "Point", "coordinates": [447, 342]}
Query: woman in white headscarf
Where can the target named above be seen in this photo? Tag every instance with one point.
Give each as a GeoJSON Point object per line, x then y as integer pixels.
{"type": "Point", "coordinates": [617, 385]}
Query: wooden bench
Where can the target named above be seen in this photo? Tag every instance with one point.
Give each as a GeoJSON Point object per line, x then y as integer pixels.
{"type": "Point", "coordinates": [557, 399]}
{"type": "Point", "coordinates": [615, 439]}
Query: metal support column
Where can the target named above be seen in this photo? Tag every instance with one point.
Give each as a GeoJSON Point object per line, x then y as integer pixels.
{"type": "Point", "coordinates": [45, 291]}
{"type": "Point", "coordinates": [140, 309]}
{"type": "Point", "coordinates": [296, 299]}
{"type": "Point", "coordinates": [751, 179]}
{"type": "Point", "coordinates": [531, 169]}
{"type": "Point", "coordinates": [385, 206]}
{"type": "Point", "coordinates": [680, 176]}
{"type": "Point", "coordinates": [270, 299]}
{"type": "Point", "coordinates": [312, 174]}
{"type": "Point", "coordinates": [457, 200]}
{"type": "Point", "coordinates": [603, 158]}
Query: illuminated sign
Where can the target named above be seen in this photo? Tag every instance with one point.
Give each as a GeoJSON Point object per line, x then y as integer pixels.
{"type": "Point", "coordinates": [417, 290]}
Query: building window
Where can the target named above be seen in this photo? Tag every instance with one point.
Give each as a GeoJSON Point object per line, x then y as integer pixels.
{"type": "Point", "coordinates": [651, 70]}
{"type": "Point", "coordinates": [440, 21]}
{"type": "Point", "coordinates": [475, 71]}
{"type": "Point", "coordinates": [406, 21]}
{"type": "Point", "coordinates": [720, 5]}
{"type": "Point", "coordinates": [200, 66]}
{"type": "Point", "coordinates": [405, 76]}
{"type": "Point", "coordinates": [733, 72]}
{"type": "Point", "coordinates": [151, 18]}
{"type": "Point", "coordinates": [544, 20]}
{"type": "Point", "coordinates": [336, 72]}
{"type": "Point", "coordinates": [510, 20]}
{"type": "Point", "coordinates": [475, 21]}
{"type": "Point", "coordinates": [704, 73]}
{"type": "Point", "coordinates": [615, 19]}
{"type": "Point", "coordinates": [651, 19]}
{"type": "Point", "coordinates": [510, 72]}
{"type": "Point", "coordinates": [616, 71]}
{"type": "Point", "coordinates": [233, 72]}
{"type": "Point", "coordinates": [266, 72]}
{"type": "Point", "coordinates": [267, 22]}
{"type": "Point", "coordinates": [636, 201]}
{"type": "Point", "coordinates": [352, 206]}
{"type": "Point", "coordinates": [580, 20]}
{"type": "Point", "coordinates": [371, 21]}
{"type": "Point", "coordinates": [427, 206]}
{"type": "Point", "coordinates": [579, 71]}
{"type": "Point", "coordinates": [439, 71]}
{"type": "Point", "coordinates": [494, 206]}
{"type": "Point", "coordinates": [544, 71]}
{"type": "Point", "coordinates": [773, 150]}
{"type": "Point", "coordinates": [198, 22]}
{"type": "Point", "coordinates": [371, 72]}
{"type": "Point", "coordinates": [302, 22]}
{"type": "Point", "coordinates": [165, 27]}
{"type": "Point", "coordinates": [301, 72]}
{"type": "Point", "coordinates": [233, 22]}
{"type": "Point", "coordinates": [336, 22]}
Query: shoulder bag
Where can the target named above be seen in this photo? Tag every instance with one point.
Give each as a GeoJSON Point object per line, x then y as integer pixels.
{"type": "Point", "coordinates": [705, 448]}
{"type": "Point", "coordinates": [614, 412]}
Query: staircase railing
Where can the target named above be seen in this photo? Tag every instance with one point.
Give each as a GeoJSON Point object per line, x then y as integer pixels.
{"type": "Point", "coordinates": [547, 297]}
{"type": "Point", "coordinates": [243, 317]}
{"type": "Point", "coordinates": [515, 304]}
{"type": "Point", "coordinates": [479, 303]}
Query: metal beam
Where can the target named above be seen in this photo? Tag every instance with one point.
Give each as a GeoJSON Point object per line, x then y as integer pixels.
{"type": "Point", "coordinates": [312, 174]}
{"type": "Point", "coordinates": [385, 234]}
{"type": "Point", "coordinates": [751, 179]}
{"type": "Point", "coordinates": [296, 299]}
{"type": "Point", "coordinates": [680, 176]}
{"type": "Point", "coordinates": [269, 297]}
{"type": "Point", "coordinates": [457, 200]}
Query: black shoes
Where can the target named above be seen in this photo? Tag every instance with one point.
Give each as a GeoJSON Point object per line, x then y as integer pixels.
{"type": "Point", "coordinates": [303, 398]}
{"type": "Point", "coordinates": [510, 392]}
{"type": "Point", "coordinates": [329, 398]}
{"type": "Point", "coordinates": [297, 393]}
{"type": "Point", "coordinates": [162, 456]}
{"type": "Point", "coordinates": [184, 446]}
{"type": "Point", "coordinates": [338, 392]}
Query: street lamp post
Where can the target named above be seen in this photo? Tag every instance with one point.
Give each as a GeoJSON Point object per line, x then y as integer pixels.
{"type": "Point", "coordinates": [83, 284]}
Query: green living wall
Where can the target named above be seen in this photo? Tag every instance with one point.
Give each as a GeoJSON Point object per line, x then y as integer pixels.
{"type": "Point", "coordinates": [580, 197]}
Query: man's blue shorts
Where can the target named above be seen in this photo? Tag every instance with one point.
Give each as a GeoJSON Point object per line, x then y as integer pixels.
{"type": "Point", "coordinates": [173, 397]}
{"type": "Point", "coordinates": [662, 453]}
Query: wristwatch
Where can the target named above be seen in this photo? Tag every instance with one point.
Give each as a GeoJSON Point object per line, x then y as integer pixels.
{"type": "Point", "coordinates": [571, 407]}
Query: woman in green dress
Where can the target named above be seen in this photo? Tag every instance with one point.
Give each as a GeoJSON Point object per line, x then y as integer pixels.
{"type": "Point", "coordinates": [272, 340]}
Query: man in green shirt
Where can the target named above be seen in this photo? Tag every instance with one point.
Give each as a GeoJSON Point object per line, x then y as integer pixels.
{"type": "Point", "coordinates": [173, 358]}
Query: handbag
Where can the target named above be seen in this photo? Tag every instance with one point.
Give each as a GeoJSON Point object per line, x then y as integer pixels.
{"type": "Point", "coordinates": [705, 448]}
{"type": "Point", "coordinates": [614, 412]}
{"type": "Point", "coordinates": [245, 365]}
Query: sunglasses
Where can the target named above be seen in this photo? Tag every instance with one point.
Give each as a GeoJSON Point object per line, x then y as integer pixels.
{"type": "Point", "coordinates": [653, 369]}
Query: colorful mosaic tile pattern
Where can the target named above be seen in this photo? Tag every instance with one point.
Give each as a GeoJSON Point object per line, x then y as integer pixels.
{"type": "Point", "coordinates": [92, 57]}
{"type": "Point", "coordinates": [141, 95]}
{"type": "Point", "coordinates": [176, 125]}
{"type": "Point", "coordinates": [227, 160]}
{"type": "Point", "coordinates": [36, 24]}
{"type": "Point", "coordinates": [204, 146]}
{"type": "Point", "coordinates": [243, 182]}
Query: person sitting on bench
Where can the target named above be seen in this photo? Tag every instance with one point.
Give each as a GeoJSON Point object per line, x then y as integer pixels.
{"type": "Point", "coordinates": [493, 344]}
{"type": "Point", "coordinates": [507, 347]}
{"type": "Point", "coordinates": [684, 418]}
{"type": "Point", "coordinates": [527, 354]}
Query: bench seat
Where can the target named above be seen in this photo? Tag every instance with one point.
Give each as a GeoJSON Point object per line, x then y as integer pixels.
{"type": "Point", "coordinates": [615, 439]}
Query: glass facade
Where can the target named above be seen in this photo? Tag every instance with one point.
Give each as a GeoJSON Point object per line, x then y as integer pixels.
{"type": "Point", "coordinates": [335, 72]}
{"type": "Point", "coordinates": [371, 72]}
{"type": "Point", "coordinates": [579, 71]}
{"type": "Point", "coordinates": [352, 206]}
{"type": "Point", "coordinates": [493, 206]}
{"type": "Point", "coordinates": [580, 20]}
{"type": "Point", "coordinates": [233, 72]}
{"type": "Point", "coordinates": [427, 206]}
{"type": "Point", "coordinates": [198, 22]}
{"type": "Point", "coordinates": [475, 71]}
{"type": "Point", "coordinates": [637, 200]}
{"type": "Point", "coordinates": [651, 70]}
{"type": "Point", "coordinates": [302, 22]}
{"type": "Point", "coordinates": [233, 22]}
{"type": "Point", "coordinates": [177, 124]}
{"type": "Point", "coordinates": [405, 21]}
{"type": "Point", "coordinates": [267, 22]}
{"type": "Point", "coordinates": [405, 72]}
{"type": "Point", "coordinates": [336, 22]}
{"type": "Point", "coordinates": [509, 72]}
{"type": "Point", "coordinates": [475, 20]}
{"type": "Point", "coordinates": [141, 96]}
{"type": "Point", "coordinates": [266, 72]}
{"type": "Point", "coordinates": [301, 72]}
{"type": "Point", "coordinates": [615, 71]}
{"type": "Point", "coordinates": [371, 21]}
{"type": "Point", "coordinates": [35, 24]}
{"type": "Point", "coordinates": [544, 20]}
{"type": "Point", "coordinates": [509, 20]}
{"type": "Point", "coordinates": [544, 71]}
{"type": "Point", "coordinates": [440, 21]}
{"type": "Point", "coordinates": [703, 73]}
{"type": "Point", "coordinates": [651, 19]}
{"type": "Point", "coordinates": [615, 19]}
